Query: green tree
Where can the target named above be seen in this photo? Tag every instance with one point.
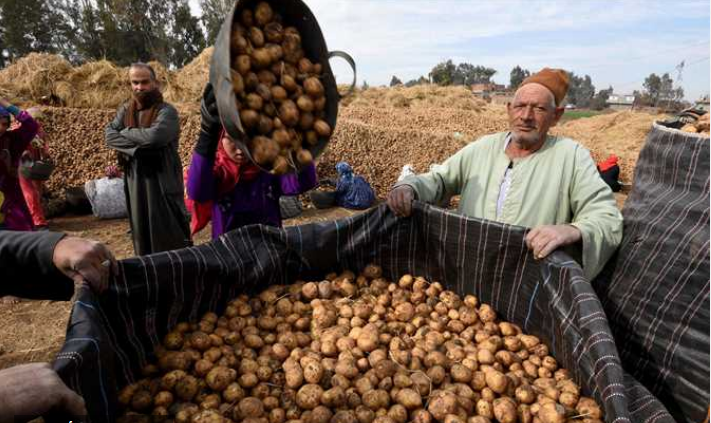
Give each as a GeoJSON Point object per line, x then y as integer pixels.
{"type": "Point", "coordinates": [395, 81]}
{"type": "Point", "coordinates": [580, 90]}
{"type": "Point", "coordinates": [517, 76]}
{"type": "Point", "coordinates": [213, 15]}
{"type": "Point", "coordinates": [31, 25]}
{"type": "Point", "coordinates": [652, 88]}
{"type": "Point", "coordinates": [443, 73]}
{"type": "Point", "coordinates": [187, 39]}
{"type": "Point", "coordinates": [599, 102]}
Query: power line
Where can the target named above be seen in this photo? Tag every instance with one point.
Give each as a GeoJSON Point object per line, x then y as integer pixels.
{"type": "Point", "coordinates": [686, 65]}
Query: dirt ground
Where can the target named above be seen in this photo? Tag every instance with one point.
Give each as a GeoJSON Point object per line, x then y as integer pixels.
{"type": "Point", "coordinates": [34, 330]}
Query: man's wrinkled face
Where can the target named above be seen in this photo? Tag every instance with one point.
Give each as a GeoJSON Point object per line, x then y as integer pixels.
{"type": "Point", "coordinates": [532, 113]}
{"type": "Point", "coordinates": [141, 81]}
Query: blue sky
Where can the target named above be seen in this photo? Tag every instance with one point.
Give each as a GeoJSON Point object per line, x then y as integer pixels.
{"type": "Point", "coordinates": [616, 42]}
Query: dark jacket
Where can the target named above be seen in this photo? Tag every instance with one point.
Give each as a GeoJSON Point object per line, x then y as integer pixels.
{"type": "Point", "coordinates": [27, 269]}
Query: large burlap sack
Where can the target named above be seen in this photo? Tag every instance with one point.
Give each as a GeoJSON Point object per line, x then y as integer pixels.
{"type": "Point", "coordinates": [656, 290]}
{"type": "Point", "coordinates": [112, 336]}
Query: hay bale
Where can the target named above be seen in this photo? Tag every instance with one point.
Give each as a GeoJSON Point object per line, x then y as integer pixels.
{"type": "Point", "coordinates": [188, 82]}
{"type": "Point", "coordinates": [33, 76]}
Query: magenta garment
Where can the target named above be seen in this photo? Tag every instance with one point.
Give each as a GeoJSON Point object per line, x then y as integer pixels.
{"type": "Point", "coordinates": [250, 202]}
{"type": "Point", "coordinates": [12, 144]}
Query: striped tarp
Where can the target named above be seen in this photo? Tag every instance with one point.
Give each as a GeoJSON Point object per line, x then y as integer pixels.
{"type": "Point", "coordinates": [110, 338]}
{"type": "Point", "coordinates": [656, 291]}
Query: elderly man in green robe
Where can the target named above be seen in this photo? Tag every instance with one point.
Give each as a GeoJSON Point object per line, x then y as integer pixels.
{"type": "Point", "coordinates": [145, 134]}
{"type": "Point", "coordinates": [527, 177]}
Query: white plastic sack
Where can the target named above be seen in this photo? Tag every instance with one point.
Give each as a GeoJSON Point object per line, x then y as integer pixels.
{"type": "Point", "coordinates": [107, 197]}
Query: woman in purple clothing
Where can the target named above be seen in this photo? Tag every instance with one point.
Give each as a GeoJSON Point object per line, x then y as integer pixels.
{"type": "Point", "coordinates": [13, 142]}
{"type": "Point", "coordinates": [224, 187]}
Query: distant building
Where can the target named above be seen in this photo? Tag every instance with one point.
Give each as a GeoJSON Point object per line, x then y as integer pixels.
{"type": "Point", "coordinates": [621, 101]}
{"type": "Point", "coordinates": [495, 93]}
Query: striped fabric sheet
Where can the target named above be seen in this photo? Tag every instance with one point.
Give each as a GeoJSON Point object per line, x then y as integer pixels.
{"type": "Point", "coordinates": [111, 338]}
{"type": "Point", "coordinates": [656, 291]}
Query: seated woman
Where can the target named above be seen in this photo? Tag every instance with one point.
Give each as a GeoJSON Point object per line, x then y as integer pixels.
{"type": "Point", "coordinates": [223, 186]}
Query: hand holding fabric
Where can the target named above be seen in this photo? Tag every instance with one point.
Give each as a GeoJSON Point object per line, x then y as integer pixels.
{"type": "Point", "coordinates": [85, 260]}
{"type": "Point", "coordinates": [400, 200]}
{"type": "Point", "coordinates": [545, 239]}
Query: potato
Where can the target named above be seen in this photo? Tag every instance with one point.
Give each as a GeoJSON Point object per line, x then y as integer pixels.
{"type": "Point", "coordinates": [141, 400]}
{"type": "Point", "coordinates": [409, 398]}
{"type": "Point", "coordinates": [274, 32]}
{"type": "Point", "coordinates": [320, 414]}
{"type": "Point", "coordinates": [404, 312]}
{"type": "Point", "coordinates": [588, 407]}
{"type": "Point", "coordinates": [322, 128]}
{"type": "Point", "coordinates": [368, 340]}
{"type": "Point", "coordinates": [186, 388]}
{"type": "Point", "coordinates": [551, 413]}
{"type": "Point", "coordinates": [345, 416]}
{"type": "Point", "coordinates": [304, 157]}
{"type": "Point", "coordinates": [461, 373]}
{"type": "Point", "coordinates": [263, 13]}
{"type": "Point", "coordinates": [505, 410]}
{"type": "Point", "coordinates": [313, 87]}
{"type": "Point", "coordinates": [261, 58]}
{"type": "Point", "coordinates": [309, 396]}
{"type": "Point", "coordinates": [364, 414]}
{"type": "Point", "coordinates": [289, 113]}
{"type": "Point", "coordinates": [242, 64]}
{"type": "Point", "coordinates": [398, 413]}
{"type": "Point", "coordinates": [376, 399]}
{"type": "Point", "coordinates": [485, 408]}
{"type": "Point", "coordinates": [294, 374]}
{"type": "Point", "coordinates": [173, 340]}
{"type": "Point", "coordinates": [334, 397]}
{"type": "Point", "coordinates": [249, 407]}
{"type": "Point", "coordinates": [264, 150]}
{"type": "Point", "coordinates": [421, 416]}
{"type": "Point", "coordinates": [220, 377]}
{"type": "Point", "coordinates": [441, 404]}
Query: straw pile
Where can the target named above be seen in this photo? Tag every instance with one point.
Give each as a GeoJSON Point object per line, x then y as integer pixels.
{"type": "Point", "coordinates": [418, 96]}
{"type": "Point", "coordinates": [621, 133]}
{"type": "Point", "coordinates": [36, 77]}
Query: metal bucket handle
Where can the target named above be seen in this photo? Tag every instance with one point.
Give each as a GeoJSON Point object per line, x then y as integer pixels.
{"type": "Point", "coordinates": [347, 57]}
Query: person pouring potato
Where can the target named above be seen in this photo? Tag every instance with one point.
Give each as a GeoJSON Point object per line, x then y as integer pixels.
{"type": "Point", "coordinates": [527, 177]}
{"type": "Point", "coordinates": [223, 186]}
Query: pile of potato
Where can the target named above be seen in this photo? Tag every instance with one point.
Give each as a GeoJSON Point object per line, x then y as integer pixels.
{"type": "Point", "coordinates": [355, 349]}
{"type": "Point", "coordinates": [701, 126]}
{"type": "Point", "coordinates": [278, 90]}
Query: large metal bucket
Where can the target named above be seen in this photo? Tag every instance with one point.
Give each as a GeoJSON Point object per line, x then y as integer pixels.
{"type": "Point", "coordinates": [294, 13]}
